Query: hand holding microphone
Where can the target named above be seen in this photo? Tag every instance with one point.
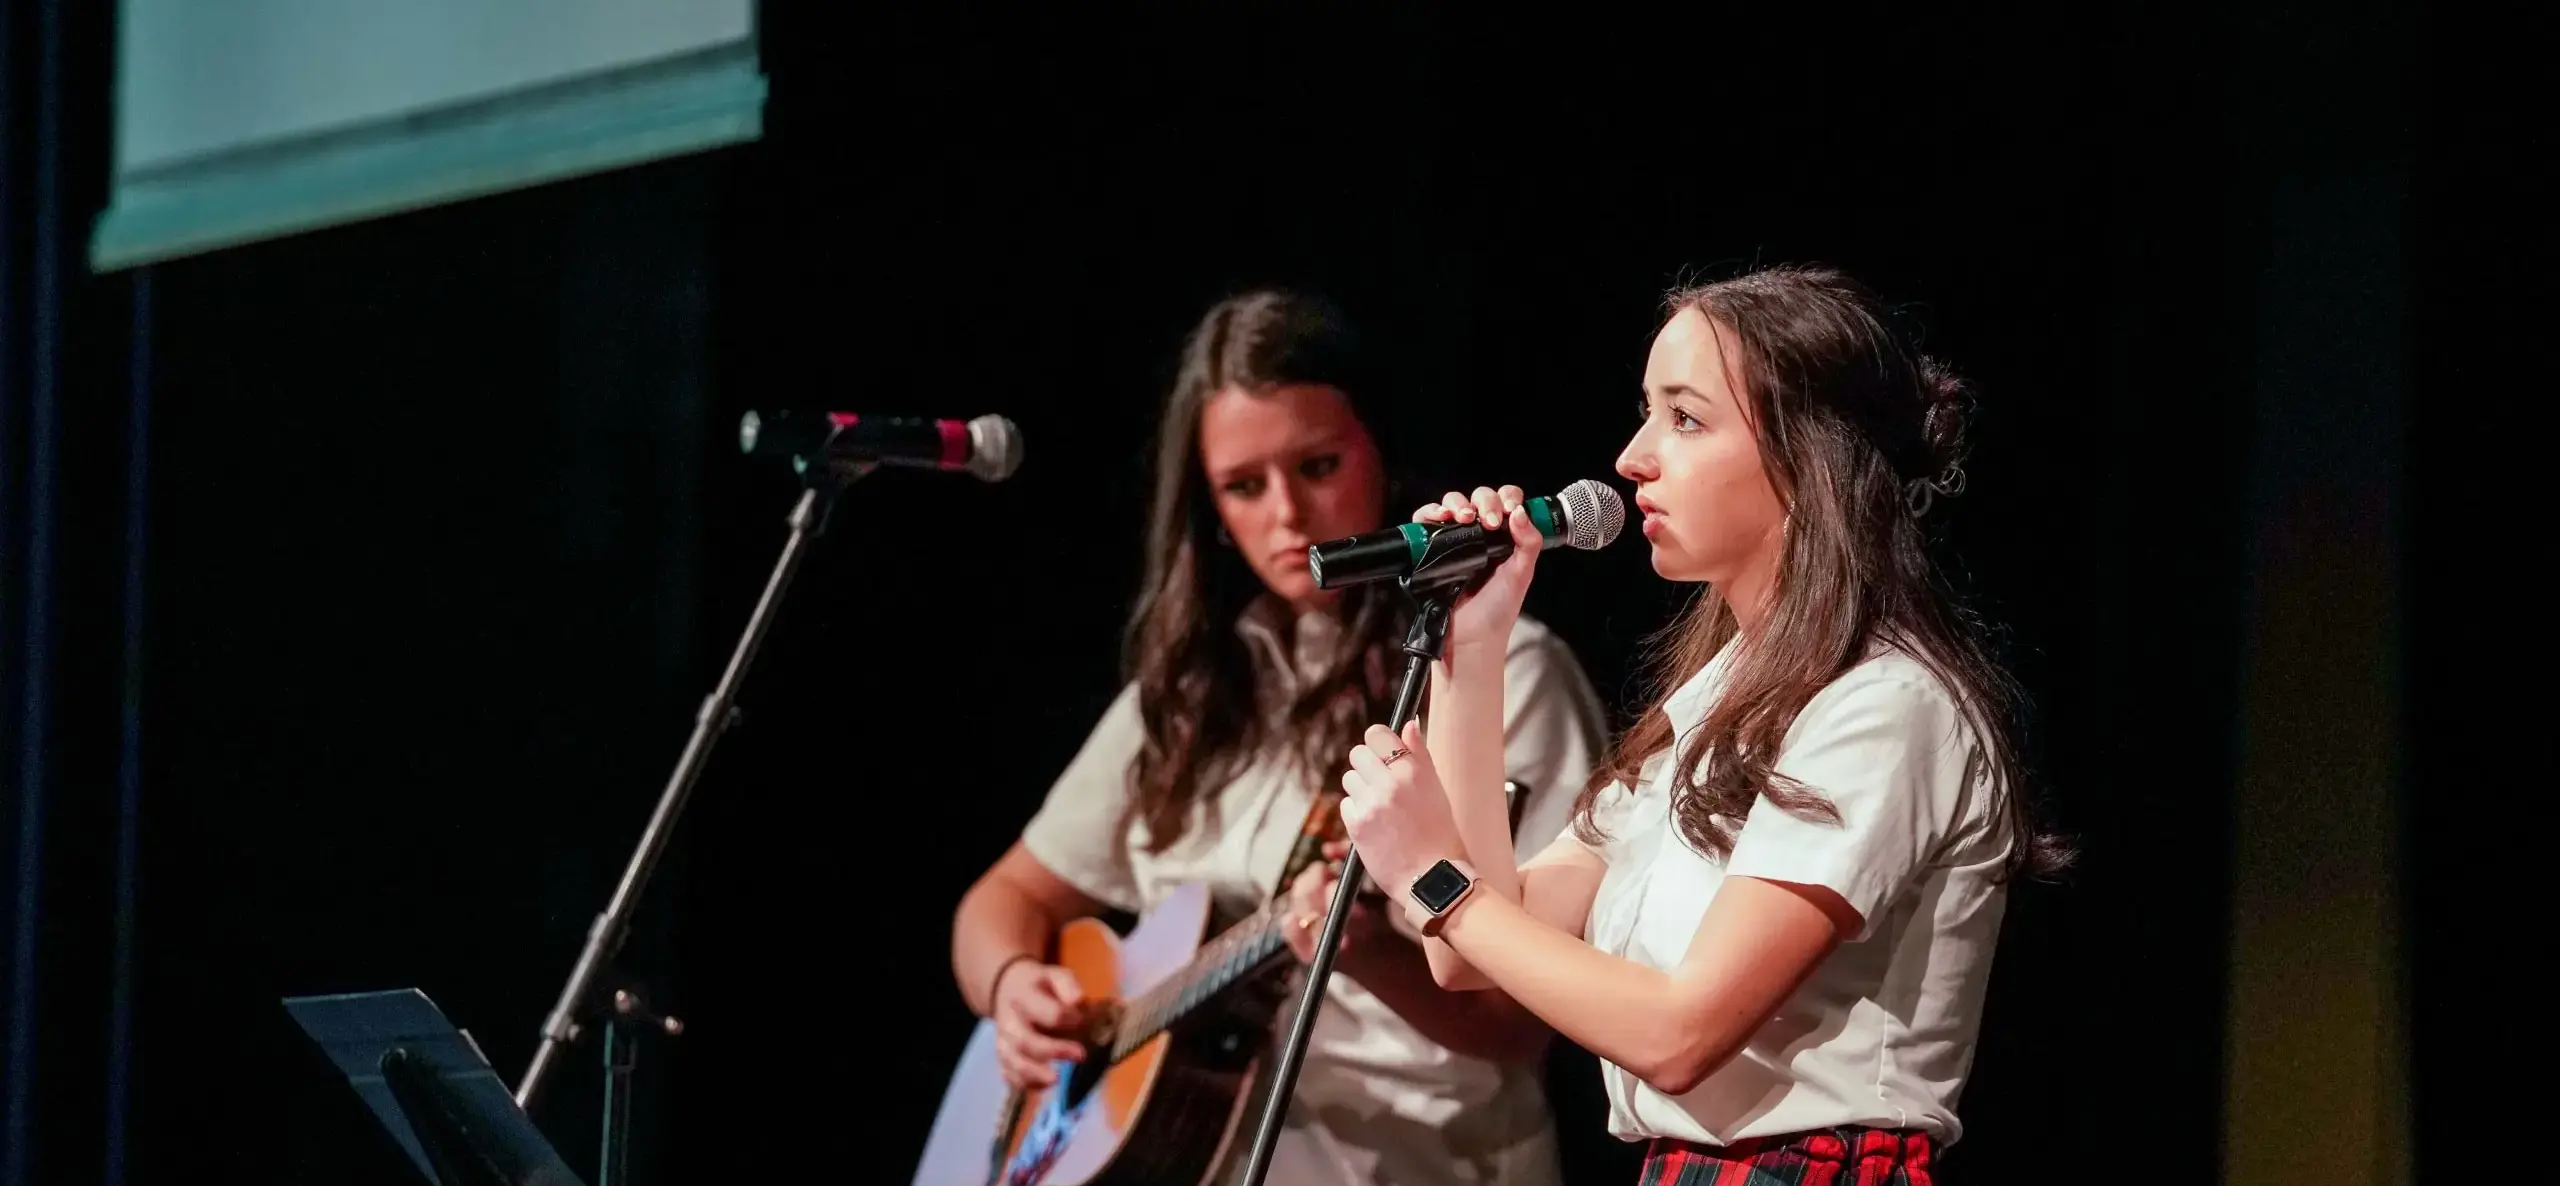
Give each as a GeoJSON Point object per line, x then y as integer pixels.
{"type": "Point", "coordinates": [1485, 615]}
{"type": "Point", "coordinates": [1487, 544]}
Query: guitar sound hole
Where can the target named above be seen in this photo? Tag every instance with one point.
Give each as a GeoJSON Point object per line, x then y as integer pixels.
{"type": "Point", "coordinates": [1226, 1044]}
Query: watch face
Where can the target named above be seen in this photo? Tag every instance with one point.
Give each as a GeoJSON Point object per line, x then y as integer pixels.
{"type": "Point", "coordinates": [1438, 886]}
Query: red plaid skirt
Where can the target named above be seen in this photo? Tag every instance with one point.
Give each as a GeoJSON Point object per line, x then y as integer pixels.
{"type": "Point", "coordinates": [1830, 1157]}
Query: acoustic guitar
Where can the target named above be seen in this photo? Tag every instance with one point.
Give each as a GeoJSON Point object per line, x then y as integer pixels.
{"type": "Point", "coordinates": [1177, 1028]}
{"type": "Point", "coordinates": [1171, 1050]}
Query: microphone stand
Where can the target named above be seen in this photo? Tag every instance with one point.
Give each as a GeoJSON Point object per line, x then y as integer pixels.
{"type": "Point", "coordinates": [1435, 595]}
{"type": "Point", "coordinates": [626, 1012]}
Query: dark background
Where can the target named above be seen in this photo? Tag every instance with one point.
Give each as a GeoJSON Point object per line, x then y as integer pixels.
{"type": "Point", "coordinates": [366, 582]}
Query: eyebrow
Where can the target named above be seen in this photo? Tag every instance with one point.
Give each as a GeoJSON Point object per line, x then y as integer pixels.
{"type": "Point", "coordinates": [1676, 390]}
{"type": "Point", "coordinates": [1331, 440]}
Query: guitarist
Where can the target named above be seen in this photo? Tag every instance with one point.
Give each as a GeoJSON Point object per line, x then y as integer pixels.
{"type": "Point", "coordinates": [1246, 684]}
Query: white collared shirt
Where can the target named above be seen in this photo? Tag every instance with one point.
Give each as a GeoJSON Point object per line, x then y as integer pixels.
{"type": "Point", "coordinates": [1882, 1032]}
{"type": "Point", "coordinates": [1376, 1100]}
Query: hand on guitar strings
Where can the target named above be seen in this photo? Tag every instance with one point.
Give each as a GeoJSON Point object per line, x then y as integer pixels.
{"type": "Point", "coordinates": [1311, 895]}
{"type": "Point", "coordinates": [1034, 1005]}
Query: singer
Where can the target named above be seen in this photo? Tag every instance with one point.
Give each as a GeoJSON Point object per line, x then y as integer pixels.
{"type": "Point", "coordinates": [1775, 913]}
{"type": "Point", "coordinates": [1245, 684]}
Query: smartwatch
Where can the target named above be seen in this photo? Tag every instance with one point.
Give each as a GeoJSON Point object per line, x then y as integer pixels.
{"type": "Point", "coordinates": [1438, 891]}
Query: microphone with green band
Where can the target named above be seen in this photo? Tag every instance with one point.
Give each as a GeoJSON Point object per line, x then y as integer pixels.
{"type": "Point", "coordinates": [1584, 515]}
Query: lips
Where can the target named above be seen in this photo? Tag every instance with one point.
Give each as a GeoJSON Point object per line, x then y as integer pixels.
{"type": "Point", "coordinates": [1653, 516]}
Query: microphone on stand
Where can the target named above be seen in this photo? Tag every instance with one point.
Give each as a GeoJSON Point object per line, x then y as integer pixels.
{"type": "Point", "coordinates": [1584, 515]}
{"type": "Point", "coordinates": [989, 446]}
{"type": "Point", "coordinates": [1434, 562]}
{"type": "Point", "coordinates": [829, 450]}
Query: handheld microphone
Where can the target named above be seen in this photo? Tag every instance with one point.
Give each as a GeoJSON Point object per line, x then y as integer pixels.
{"type": "Point", "coordinates": [1584, 515]}
{"type": "Point", "coordinates": [988, 446]}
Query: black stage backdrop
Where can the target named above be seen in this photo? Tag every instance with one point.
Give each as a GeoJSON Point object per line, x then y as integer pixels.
{"type": "Point", "coordinates": [446, 534]}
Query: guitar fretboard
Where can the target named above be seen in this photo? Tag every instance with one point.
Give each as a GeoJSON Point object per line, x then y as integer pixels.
{"type": "Point", "coordinates": [1237, 953]}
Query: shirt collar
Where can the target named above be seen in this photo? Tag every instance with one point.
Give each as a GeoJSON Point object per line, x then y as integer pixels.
{"type": "Point", "coordinates": [1697, 697]}
{"type": "Point", "coordinates": [1690, 704]}
{"type": "Point", "coordinates": [1285, 641]}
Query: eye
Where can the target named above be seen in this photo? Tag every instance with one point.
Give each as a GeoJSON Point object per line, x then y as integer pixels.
{"type": "Point", "coordinates": [1320, 466]}
{"type": "Point", "coordinates": [1682, 421]}
{"type": "Point", "coordinates": [1244, 487]}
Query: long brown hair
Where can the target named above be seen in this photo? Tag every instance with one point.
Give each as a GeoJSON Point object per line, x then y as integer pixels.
{"type": "Point", "coordinates": [1859, 432]}
{"type": "Point", "coordinates": [1200, 701]}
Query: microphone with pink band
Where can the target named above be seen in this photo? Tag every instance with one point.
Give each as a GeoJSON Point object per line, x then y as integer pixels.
{"type": "Point", "coordinates": [989, 446]}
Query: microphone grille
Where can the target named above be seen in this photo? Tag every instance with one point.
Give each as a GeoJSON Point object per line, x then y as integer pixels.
{"type": "Point", "coordinates": [1593, 514]}
{"type": "Point", "coordinates": [995, 448]}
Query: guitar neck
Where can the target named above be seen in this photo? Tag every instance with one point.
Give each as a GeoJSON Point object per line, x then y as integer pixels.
{"type": "Point", "coordinates": [1237, 954]}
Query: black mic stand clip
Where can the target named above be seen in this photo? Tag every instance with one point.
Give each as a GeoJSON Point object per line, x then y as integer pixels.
{"type": "Point", "coordinates": [625, 1012]}
{"type": "Point", "coordinates": [1435, 589]}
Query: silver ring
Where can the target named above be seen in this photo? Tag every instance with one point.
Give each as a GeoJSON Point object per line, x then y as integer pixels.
{"type": "Point", "coordinates": [1391, 758]}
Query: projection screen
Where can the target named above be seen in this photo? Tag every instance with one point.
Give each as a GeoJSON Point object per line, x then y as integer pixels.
{"type": "Point", "coordinates": [243, 120]}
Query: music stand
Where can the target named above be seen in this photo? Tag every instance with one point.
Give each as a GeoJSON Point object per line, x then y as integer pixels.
{"type": "Point", "coordinates": [430, 1088]}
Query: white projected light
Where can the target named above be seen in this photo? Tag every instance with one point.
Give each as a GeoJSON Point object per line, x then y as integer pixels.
{"type": "Point", "coordinates": [240, 120]}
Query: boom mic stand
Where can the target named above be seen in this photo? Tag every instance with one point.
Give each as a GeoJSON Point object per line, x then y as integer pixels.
{"type": "Point", "coordinates": [1434, 594]}
{"type": "Point", "coordinates": [626, 1011]}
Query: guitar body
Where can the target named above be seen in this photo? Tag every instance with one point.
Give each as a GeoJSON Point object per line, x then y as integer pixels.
{"type": "Point", "coordinates": [1162, 1114]}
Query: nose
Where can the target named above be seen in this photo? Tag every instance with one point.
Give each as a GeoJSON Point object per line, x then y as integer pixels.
{"type": "Point", "coordinates": [1636, 461]}
{"type": "Point", "coordinates": [1288, 502]}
